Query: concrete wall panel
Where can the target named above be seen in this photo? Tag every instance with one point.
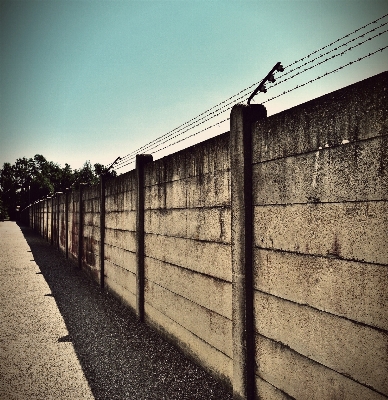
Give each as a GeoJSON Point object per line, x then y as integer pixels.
{"type": "Point", "coordinates": [124, 258]}
{"type": "Point", "coordinates": [355, 231]}
{"type": "Point", "coordinates": [348, 172]}
{"type": "Point", "coordinates": [354, 290]}
{"type": "Point", "coordinates": [198, 191]}
{"type": "Point", "coordinates": [121, 276]}
{"type": "Point", "coordinates": [206, 157]}
{"type": "Point", "coordinates": [265, 390]}
{"type": "Point", "coordinates": [209, 224]}
{"type": "Point", "coordinates": [354, 350]}
{"type": "Point", "coordinates": [122, 220]}
{"type": "Point", "coordinates": [354, 113]}
{"type": "Point", "coordinates": [123, 239]}
{"type": "Point", "coordinates": [211, 327]}
{"type": "Point", "coordinates": [304, 379]}
{"type": "Point", "coordinates": [209, 292]}
{"type": "Point", "coordinates": [215, 361]}
{"type": "Point", "coordinates": [209, 258]}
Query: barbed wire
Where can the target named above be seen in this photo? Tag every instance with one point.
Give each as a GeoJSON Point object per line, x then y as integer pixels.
{"type": "Point", "coordinates": [336, 48]}
{"type": "Point", "coordinates": [336, 41]}
{"type": "Point", "coordinates": [325, 74]}
{"type": "Point", "coordinates": [325, 60]}
{"type": "Point", "coordinates": [181, 140]}
{"type": "Point", "coordinates": [223, 106]}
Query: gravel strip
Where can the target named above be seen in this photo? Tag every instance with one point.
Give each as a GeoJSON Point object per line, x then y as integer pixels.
{"type": "Point", "coordinates": [121, 357]}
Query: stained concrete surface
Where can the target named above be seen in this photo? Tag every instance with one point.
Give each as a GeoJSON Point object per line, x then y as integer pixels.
{"type": "Point", "coordinates": [62, 338]}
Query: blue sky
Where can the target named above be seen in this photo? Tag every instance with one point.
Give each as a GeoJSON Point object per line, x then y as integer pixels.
{"type": "Point", "coordinates": [93, 80]}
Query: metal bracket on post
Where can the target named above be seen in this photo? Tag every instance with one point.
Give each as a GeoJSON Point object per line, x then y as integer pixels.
{"type": "Point", "coordinates": [269, 78]}
{"type": "Point", "coordinates": [241, 122]}
{"type": "Point", "coordinates": [141, 161]}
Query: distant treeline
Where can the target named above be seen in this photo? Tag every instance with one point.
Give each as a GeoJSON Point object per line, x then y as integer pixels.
{"type": "Point", "coordinates": [31, 179]}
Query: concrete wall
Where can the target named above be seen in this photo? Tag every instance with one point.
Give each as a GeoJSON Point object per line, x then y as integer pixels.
{"type": "Point", "coordinates": [187, 251]}
{"type": "Point", "coordinates": [91, 231]}
{"type": "Point", "coordinates": [320, 192]}
{"type": "Point", "coordinates": [318, 274]}
{"type": "Point", "coordinates": [120, 238]}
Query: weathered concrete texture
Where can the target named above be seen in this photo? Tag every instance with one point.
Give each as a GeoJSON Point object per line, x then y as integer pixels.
{"type": "Point", "coordinates": [121, 283]}
{"type": "Point", "coordinates": [354, 113]}
{"type": "Point", "coordinates": [208, 190]}
{"type": "Point", "coordinates": [205, 257]}
{"type": "Point", "coordinates": [125, 240]}
{"type": "Point", "coordinates": [124, 258]}
{"type": "Point", "coordinates": [208, 325]}
{"type": "Point", "coordinates": [355, 231]}
{"type": "Point", "coordinates": [303, 378]}
{"type": "Point", "coordinates": [208, 157]}
{"type": "Point", "coordinates": [211, 293]}
{"type": "Point", "coordinates": [121, 220]}
{"type": "Point", "coordinates": [265, 390]}
{"type": "Point", "coordinates": [207, 224]}
{"type": "Point", "coordinates": [350, 172]}
{"type": "Point", "coordinates": [354, 290]}
{"type": "Point", "coordinates": [35, 362]}
{"type": "Point", "coordinates": [354, 350]}
{"type": "Point", "coordinates": [214, 361]}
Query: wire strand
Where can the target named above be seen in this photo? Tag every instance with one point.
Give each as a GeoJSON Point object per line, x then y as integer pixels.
{"type": "Point", "coordinates": [336, 41]}
{"type": "Point", "coordinates": [206, 115]}
{"type": "Point", "coordinates": [327, 73]}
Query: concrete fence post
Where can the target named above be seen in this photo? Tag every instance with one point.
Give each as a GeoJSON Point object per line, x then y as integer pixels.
{"type": "Point", "coordinates": [67, 223]}
{"type": "Point", "coordinates": [241, 120]}
{"type": "Point", "coordinates": [102, 230]}
{"type": "Point", "coordinates": [58, 218]}
{"type": "Point", "coordinates": [80, 225]}
{"type": "Point", "coordinates": [141, 161]}
{"type": "Point", "coordinates": [47, 218]}
{"type": "Point", "coordinates": [52, 220]}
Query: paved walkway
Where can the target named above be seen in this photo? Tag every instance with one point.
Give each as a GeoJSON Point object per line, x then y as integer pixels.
{"type": "Point", "coordinates": [61, 338]}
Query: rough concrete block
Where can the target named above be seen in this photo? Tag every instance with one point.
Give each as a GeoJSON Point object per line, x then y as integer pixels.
{"type": "Point", "coordinates": [123, 294]}
{"type": "Point", "coordinates": [355, 231]}
{"type": "Point", "coordinates": [123, 258]}
{"type": "Point", "coordinates": [354, 350]}
{"type": "Point", "coordinates": [121, 276]}
{"type": "Point", "coordinates": [265, 390]}
{"type": "Point", "coordinates": [209, 190]}
{"type": "Point", "coordinates": [213, 259]}
{"type": "Point", "coordinates": [122, 220]}
{"type": "Point", "coordinates": [216, 362]}
{"type": "Point", "coordinates": [304, 379]}
{"type": "Point", "coordinates": [357, 291]}
{"type": "Point", "coordinates": [91, 219]}
{"type": "Point", "coordinates": [348, 172]}
{"type": "Point", "coordinates": [211, 224]}
{"type": "Point", "coordinates": [211, 327]}
{"type": "Point", "coordinates": [123, 239]}
{"type": "Point", "coordinates": [91, 232]}
{"type": "Point", "coordinates": [204, 158]}
{"type": "Point", "coordinates": [209, 292]}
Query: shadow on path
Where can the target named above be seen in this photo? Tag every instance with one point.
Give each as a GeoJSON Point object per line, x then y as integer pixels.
{"type": "Point", "coordinates": [121, 357]}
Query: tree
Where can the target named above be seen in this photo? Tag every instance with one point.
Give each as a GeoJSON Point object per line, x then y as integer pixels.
{"type": "Point", "coordinates": [32, 179]}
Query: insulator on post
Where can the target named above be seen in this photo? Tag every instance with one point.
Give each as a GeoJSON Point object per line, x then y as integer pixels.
{"type": "Point", "coordinates": [271, 78]}
{"type": "Point", "coordinates": [279, 67]}
{"type": "Point", "coordinates": [263, 89]}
